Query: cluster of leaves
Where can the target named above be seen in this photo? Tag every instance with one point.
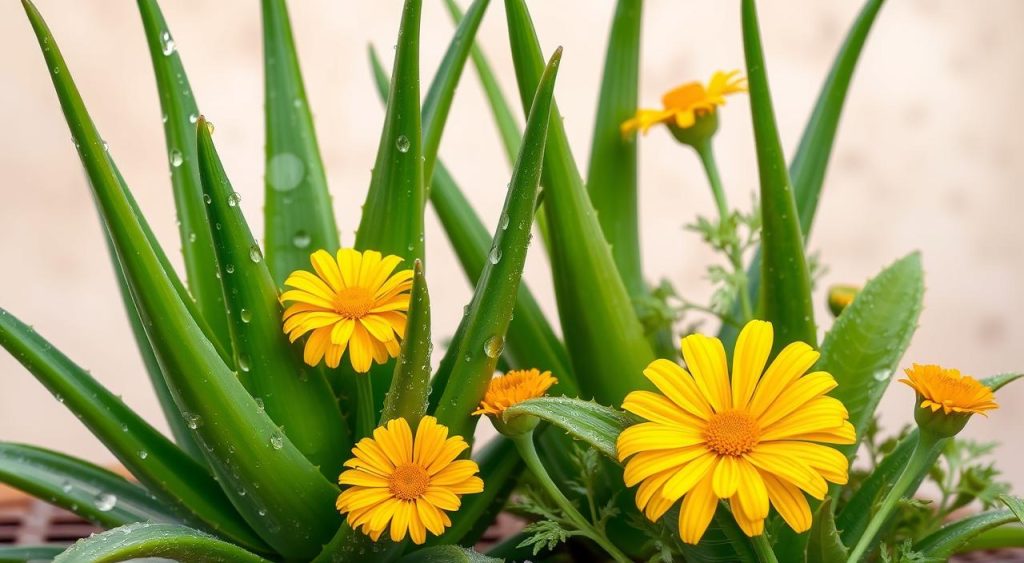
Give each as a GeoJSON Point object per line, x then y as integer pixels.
{"type": "Point", "coordinates": [734, 237]}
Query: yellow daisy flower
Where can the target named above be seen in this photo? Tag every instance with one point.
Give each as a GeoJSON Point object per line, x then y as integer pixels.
{"type": "Point", "coordinates": [353, 301]}
{"type": "Point", "coordinates": [684, 104]}
{"type": "Point", "coordinates": [514, 387]}
{"type": "Point", "coordinates": [751, 439]}
{"type": "Point", "coordinates": [409, 483]}
{"type": "Point", "coordinates": [946, 389]}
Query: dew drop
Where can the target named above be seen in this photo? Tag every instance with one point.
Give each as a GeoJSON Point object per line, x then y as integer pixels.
{"type": "Point", "coordinates": [105, 502]}
{"type": "Point", "coordinates": [881, 375]}
{"type": "Point", "coordinates": [230, 268]}
{"type": "Point", "coordinates": [504, 221]}
{"type": "Point", "coordinates": [494, 256]}
{"type": "Point", "coordinates": [402, 144]}
{"type": "Point", "coordinates": [193, 421]}
{"type": "Point", "coordinates": [176, 158]}
{"type": "Point", "coordinates": [301, 239]}
{"type": "Point", "coordinates": [276, 440]}
{"type": "Point", "coordinates": [143, 454]}
{"type": "Point", "coordinates": [234, 198]}
{"type": "Point", "coordinates": [243, 363]}
{"type": "Point", "coordinates": [493, 346]}
{"type": "Point", "coordinates": [191, 237]}
{"type": "Point", "coordinates": [260, 407]}
{"type": "Point", "coordinates": [245, 315]}
{"type": "Point", "coordinates": [166, 43]}
{"type": "Point", "coordinates": [66, 486]}
{"type": "Point", "coordinates": [285, 171]}
{"type": "Point", "coordinates": [193, 118]}
{"type": "Point", "coordinates": [255, 254]}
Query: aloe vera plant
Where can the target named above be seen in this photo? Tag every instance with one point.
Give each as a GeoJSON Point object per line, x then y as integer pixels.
{"type": "Point", "coordinates": [309, 423]}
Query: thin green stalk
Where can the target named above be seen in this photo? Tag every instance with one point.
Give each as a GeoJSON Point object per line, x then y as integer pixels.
{"type": "Point", "coordinates": [527, 450]}
{"type": "Point", "coordinates": [920, 460]}
{"type": "Point", "coordinates": [707, 158]}
{"type": "Point", "coordinates": [366, 406]}
{"type": "Point", "coordinates": [765, 553]}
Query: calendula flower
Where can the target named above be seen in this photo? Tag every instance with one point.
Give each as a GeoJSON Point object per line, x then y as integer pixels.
{"type": "Point", "coordinates": [753, 439]}
{"type": "Point", "coordinates": [355, 301]}
{"type": "Point", "coordinates": [409, 483]}
{"type": "Point", "coordinates": [684, 105]}
{"type": "Point", "coordinates": [512, 388]}
{"type": "Point", "coordinates": [946, 399]}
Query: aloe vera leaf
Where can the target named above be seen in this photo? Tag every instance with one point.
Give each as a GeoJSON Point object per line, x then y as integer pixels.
{"type": "Point", "coordinates": [410, 386]}
{"type": "Point", "coordinates": [165, 541]}
{"type": "Point", "coordinates": [96, 494]}
{"type": "Point", "coordinates": [298, 214]}
{"type": "Point", "coordinates": [785, 281]}
{"type": "Point", "coordinates": [164, 469]}
{"type": "Point", "coordinates": [181, 111]}
{"type": "Point", "coordinates": [592, 300]}
{"type": "Point", "coordinates": [612, 175]}
{"type": "Point", "coordinates": [944, 542]}
{"type": "Point", "coordinates": [483, 329]}
{"type": "Point", "coordinates": [242, 441]}
{"type": "Point", "coordinates": [597, 425]}
{"type": "Point", "coordinates": [531, 341]}
{"type": "Point", "coordinates": [276, 374]}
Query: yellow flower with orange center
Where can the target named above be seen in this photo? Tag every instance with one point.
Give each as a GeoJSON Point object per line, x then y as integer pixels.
{"type": "Point", "coordinates": [514, 387]}
{"type": "Point", "coordinates": [354, 301]}
{"type": "Point", "coordinates": [754, 439]}
{"type": "Point", "coordinates": [947, 390]}
{"type": "Point", "coordinates": [406, 484]}
{"type": "Point", "coordinates": [683, 105]}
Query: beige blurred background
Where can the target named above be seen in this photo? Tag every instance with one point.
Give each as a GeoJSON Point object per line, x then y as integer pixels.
{"type": "Point", "coordinates": [929, 157]}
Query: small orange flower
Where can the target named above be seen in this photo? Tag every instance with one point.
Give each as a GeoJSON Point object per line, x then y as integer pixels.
{"type": "Point", "coordinates": [514, 387]}
{"type": "Point", "coordinates": [684, 104]}
{"type": "Point", "coordinates": [947, 389]}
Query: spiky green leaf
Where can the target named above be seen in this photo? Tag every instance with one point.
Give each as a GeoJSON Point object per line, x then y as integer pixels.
{"type": "Point", "coordinates": [165, 541]}
{"type": "Point", "coordinates": [410, 386]}
{"type": "Point", "coordinates": [596, 425]}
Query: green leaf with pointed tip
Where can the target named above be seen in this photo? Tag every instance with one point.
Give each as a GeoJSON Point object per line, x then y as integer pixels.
{"type": "Point", "coordinates": [448, 554]}
{"type": "Point", "coordinates": [868, 339]}
{"type": "Point", "coordinates": [21, 554]}
{"type": "Point", "coordinates": [165, 541]}
{"type": "Point", "coordinates": [272, 369]}
{"type": "Point", "coordinates": [785, 283]}
{"type": "Point", "coordinates": [853, 518]}
{"type": "Point", "coordinates": [592, 299]}
{"type": "Point", "coordinates": [612, 176]}
{"type": "Point", "coordinates": [241, 443]}
{"type": "Point", "coordinates": [531, 341]}
{"type": "Point", "coordinates": [410, 386]}
{"type": "Point", "coordinates": [79, 486]}
{"type": "Point", "coordinates": [807, 169]}
{"type": "Point", "coordinates": [823, 543]}
{"type": "Point", "coordinates": [297, 208]}
{"type": "Point", "coordinates": [943, 543]}
{"type": "Point", "coordinates": [164, 469]}
{"type": "Point", "coordinates": [483, 329]}
{"type": "Point", "coordinates": [597, 425]}
{"type": "Point", "coordinates": [180, 113]}
{"type": "Point", "coordinates": [446, 79]}
{"type": "Point", "coordinates": [1006, 536]}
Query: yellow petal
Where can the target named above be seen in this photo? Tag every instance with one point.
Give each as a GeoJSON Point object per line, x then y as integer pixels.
{"type": "Point", "coordinates": [696, 511]}
{"type": "Point", "coordinates": [400, 521]}
{"type": "Point", "coordinates": [751, 493]}
{"type": "Point", "coordinates": [360, 349]}
{"type": "Point", "coordinates": [679, 386]}
{"type": "Point", "coordinates": [750, 526]}
{"type": "Point", "coordinates": [653, 436]}
{"type": "Point", "coordinates": [753, 346]}
{"type": "Point", "coordinates": [327, 268]}
{"type": "Point", "coordinates": [689, 475]}
{"type": "Point", "coordinates": [705, 358]}
{"type": "Point", "coordinates": [797, 394]}
{"type": "Point", "coordinates": [417, 530]}
{"type": "Point", "coordinates": [790, 470]}
{"type": "Point", "coordinates": [349, 261]}
{"type": "Point", "coordinates": [789, 502]}
{"type": "Point", "coordinates": [658, 408]}
{"type": "Point", "coordinates": [646, 464]}
{"type": "Point", "coordinates": [725, 479]}
{"type": "Point", "coordinates": [792, 362]}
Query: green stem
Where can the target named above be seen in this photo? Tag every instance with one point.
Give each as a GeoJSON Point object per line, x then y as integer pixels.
{"type": "Point", "coordinates": [527, 450]}
{"type": "Point", "coordinates": [927, 443]}
{"type": "Point", "coordinates": [366, 406]}
{"type": "Point", "coordinates": [707, 158]}
{"type": "Point", "coordinates": [765, 553]}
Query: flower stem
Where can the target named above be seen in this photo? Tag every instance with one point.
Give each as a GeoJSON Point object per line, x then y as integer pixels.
{"type": "Point", "coordinates": [920, 459]}
{"type": "Point", "coordinates": [707, 158]}
{"type": "Point", "coordinates": [765, 553]}
{"type": "Point", "coordinates": [527, 450]}
{"type": "Point", "coordinates": [366, 409]}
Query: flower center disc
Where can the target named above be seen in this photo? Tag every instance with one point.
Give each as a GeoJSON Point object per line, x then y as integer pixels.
{"type": "Point", "coordinates": [732, 433]}
{"type": "Point", "coordinates": [408, 482]}
{"type": "Point", "coordinates": [353, 302]}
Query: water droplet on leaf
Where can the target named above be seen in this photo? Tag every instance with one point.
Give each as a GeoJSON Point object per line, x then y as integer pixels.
{"type": "Point", "coordinates": [402, 144]}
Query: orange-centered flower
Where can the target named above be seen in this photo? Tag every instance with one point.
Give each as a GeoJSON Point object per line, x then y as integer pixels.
{"type": "Point", "coordinates": [752, 439]}
{"type": "Point", "coordinates": [684, 104]}
{"type": "Point", "coordinates": [406, 483]}
{"type": "Point", "coordinates": [353, 301]}
{"type": "Point", "coordinates": [946, 389]}
{"type": "Point", "coordinates": [514, 387]}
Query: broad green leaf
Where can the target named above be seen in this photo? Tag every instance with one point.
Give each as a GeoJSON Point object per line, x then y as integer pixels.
{"type": "Point", "coordinates": [272, 370]}
{"type": "Point", "coordinates": [158, 464]}
{"type": "Point", "coordinates": [96, 494]}
{"type": "Point", "coordinates": [241, 443]}
{"type": "Point", "coordinates": [531, 342]}
{"type": "Point", "coordinates": [508, 126]}
{"type": "Point", "coordinates": [785, 281]}
{"type": "Point", "coordinates": [823, 543]}
{"type": "Point", "coordinates": [807, 169]}
{"type": "Point", "coordinates": [1006, 536]}
{"type": "Point", "coordinates": [165, 541]}
{"type": "Point", "coordinates": [180, 112]}
{"type": "Point", "coordinates": [855, 514]}
{"type": "Point", "coordinates": [20, 554]}
{"type": "Point", "coordinates": [410, 386]}
{"type": "Point", "coordinates": [297, 207]}
{"type": "Point", "coordinates": [592, 300]}
{"type": "Point", "coordinates": [351, 546]}
{"type": "Point", "coordinates": [446, 79]}
{"type": "Point", "coordinates": [482, 331]}
{"type": "Point", "coordinates": [597, 425]}
{"type": "Point", "coordinates": [612, 176]}
{"type": "Point", "coordinates": [448, 554]}
{"type": "Point", "coordinates": [868, 339]}
{"type": "Point", "coordinates": [945, 542]}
